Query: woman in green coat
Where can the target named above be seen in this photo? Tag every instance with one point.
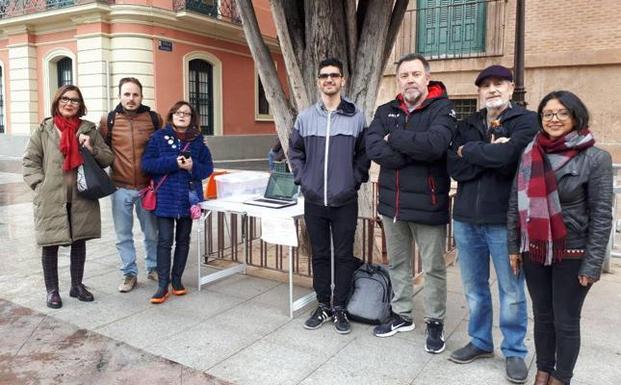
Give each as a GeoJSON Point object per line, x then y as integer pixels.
{"type": "Point", "coordinates": [61, 216]}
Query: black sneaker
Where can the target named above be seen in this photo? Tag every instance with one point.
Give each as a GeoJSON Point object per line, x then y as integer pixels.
{"type": "Point", "coordinates": [395, 324]}
{"type": "Point", "coordinates": [516, 370]}
{"type": "Point", "coordinates": [435, 337]}
{"type": "Point", "coordinates": [469, 353]}
{"type": "Point", "coordinates": [318, 317]}
{"type": "Point", "coordinates": [341, 323]}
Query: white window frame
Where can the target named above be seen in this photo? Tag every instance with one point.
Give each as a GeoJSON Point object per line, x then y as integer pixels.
{"type": "Point", "coordinates": [258, 116]}
{"type": "Point", "coordinates": [217, 84]}
{"type": "Point", "coordinates": [50, 74]}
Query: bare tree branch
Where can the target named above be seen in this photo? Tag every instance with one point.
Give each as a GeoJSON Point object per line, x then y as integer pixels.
{"type": "Point", "coordinates": [352, 32]}
{"type": "Point", "coordinates": [361, 14]}
{"type": "Point", "coordinates": [393, 30]}
{"type": "Point", "coordinates": [290, 55]}
{"type": "Point", "coordinates": [282, 110]}
{"type": "Point", "coordinates": [294, 18]}
{"type": "Point", "coordinates": [369, 58]}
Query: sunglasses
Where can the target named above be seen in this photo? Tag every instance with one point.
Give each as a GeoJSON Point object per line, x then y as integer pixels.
{"type": "Point", "coordinates": [333, 75]}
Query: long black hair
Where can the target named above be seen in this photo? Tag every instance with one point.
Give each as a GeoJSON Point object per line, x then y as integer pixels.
{"type": "Point", "coordinates": [574, 105]}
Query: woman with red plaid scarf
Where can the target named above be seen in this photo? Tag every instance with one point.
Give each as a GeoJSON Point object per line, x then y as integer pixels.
{"type": "Point", "coordinates": [559, 220]}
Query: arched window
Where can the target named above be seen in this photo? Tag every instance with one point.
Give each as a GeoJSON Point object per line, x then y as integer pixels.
{"type": "Point", "coordinates": [200, 79]}
{"type": "Point", "coordinates": [64, 71]}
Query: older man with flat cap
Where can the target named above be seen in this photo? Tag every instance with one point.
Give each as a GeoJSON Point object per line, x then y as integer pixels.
{"type": "Point", "coordinates": [483, 161]}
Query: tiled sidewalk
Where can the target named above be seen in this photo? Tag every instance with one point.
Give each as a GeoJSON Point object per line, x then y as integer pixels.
{"type": "Point", "coordinates": [236, 330]}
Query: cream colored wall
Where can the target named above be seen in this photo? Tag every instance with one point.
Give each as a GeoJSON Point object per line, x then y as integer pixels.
{"type": "Point", "coordinates": [93, 73]}
{"type": "Point", "coordinates": [570, 45]}
{"type": "Point", "coordinates": [23, 86]}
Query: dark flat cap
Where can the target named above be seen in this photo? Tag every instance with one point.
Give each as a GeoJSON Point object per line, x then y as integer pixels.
{"type": "Point", "coordinates": [496, 71]}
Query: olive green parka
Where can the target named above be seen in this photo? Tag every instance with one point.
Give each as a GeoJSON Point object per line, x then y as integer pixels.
{"type": "Point", "coordinates": [42, 171]}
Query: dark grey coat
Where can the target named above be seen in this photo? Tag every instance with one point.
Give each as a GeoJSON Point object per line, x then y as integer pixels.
{"type": "Point", "coordinates": [586, 193]}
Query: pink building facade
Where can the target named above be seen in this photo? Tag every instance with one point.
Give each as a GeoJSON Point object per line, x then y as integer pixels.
{"type": "Point", "coordinates": [179, 49]}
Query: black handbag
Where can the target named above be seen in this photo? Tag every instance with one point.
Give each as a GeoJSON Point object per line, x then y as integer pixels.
{"type": "Point", "coordinates": [92, 181]}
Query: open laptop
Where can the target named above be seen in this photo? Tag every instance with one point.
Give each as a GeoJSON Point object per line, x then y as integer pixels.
{"type": "Point", "coordinates": [280, 192]}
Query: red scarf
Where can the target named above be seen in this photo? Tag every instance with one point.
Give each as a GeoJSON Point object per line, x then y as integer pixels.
{"type": "Point", "coordinates": [68, 142]}
{"type": "Point", "coordinates": [541, 219]}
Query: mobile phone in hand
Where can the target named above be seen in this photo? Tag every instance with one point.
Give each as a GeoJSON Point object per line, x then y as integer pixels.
{"type": "Point", "coordinates": [186, 154]}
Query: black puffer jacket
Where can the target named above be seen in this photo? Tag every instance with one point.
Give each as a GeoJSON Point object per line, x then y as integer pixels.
{"type": "Point", "coordinates": [586, 193]}
{"type": "Point", "coordinates": [413, 181]}
{"type": "Point", "coordinates": [485, 172]}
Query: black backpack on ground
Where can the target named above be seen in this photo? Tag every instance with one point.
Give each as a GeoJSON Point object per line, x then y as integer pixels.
{"type": "Point", "coordinates": [369, 301]}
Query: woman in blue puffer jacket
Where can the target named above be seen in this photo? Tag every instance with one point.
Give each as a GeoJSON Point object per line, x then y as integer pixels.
{"type": "Point", "coordinates": [178, 160]}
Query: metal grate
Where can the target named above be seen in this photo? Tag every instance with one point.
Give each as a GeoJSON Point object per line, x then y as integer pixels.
{"type": "Point", "coordinates": [64, 69]}
{"type": "Point", "coordinates": [201, 93]}
{"type": "Point", "coordinates": [464, 107]}
{"type": "Point", "coordinates": [12, 8]}
{"type": "Point", "coordinates": [218, 9]}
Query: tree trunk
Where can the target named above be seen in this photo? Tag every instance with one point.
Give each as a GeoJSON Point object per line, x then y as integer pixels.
{"type": "Point", "coordinates": [359, 33]}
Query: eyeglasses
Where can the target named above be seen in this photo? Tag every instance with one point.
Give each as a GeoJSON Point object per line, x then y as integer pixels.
{"type": "Point", "coordinates": [74, 101]}
{"type": "Point", "coordinates": [333, 75]}
{"type": "Point", "coordinates": [181, 114]}
{"type": "Point", "coordinates": [561, 115]}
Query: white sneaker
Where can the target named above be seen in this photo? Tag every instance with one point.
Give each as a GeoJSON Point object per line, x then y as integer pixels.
{"type": "Point", "coordinates": [129, 282]}
{"type": "Point", "coordinates": [152, 275]}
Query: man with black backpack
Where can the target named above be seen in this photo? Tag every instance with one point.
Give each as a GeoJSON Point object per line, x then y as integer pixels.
{"type": "Point", "coordinates": [127, 130]}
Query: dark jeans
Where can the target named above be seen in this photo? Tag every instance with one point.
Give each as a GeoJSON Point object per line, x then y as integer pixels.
{"type": "Point", "coordinates": [557, 302]}
{"type": "Point", "coordinates": [342, 221]}
{"type": "Point", "coordinates": [166, 227]}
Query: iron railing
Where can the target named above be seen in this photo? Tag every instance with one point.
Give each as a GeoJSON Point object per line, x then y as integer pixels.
{"type": "Point", "coordinates": [12, 8]}
{"type": "Point", "coordinates": [226, 238]}
{"type": "Point", "coordinates": [218, 9]}
{"type": "Point", "coordinates": [452, 29]}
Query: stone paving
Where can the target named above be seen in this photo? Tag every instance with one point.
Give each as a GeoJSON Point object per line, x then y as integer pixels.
{"type": "Point", "coordinates": [235, 331]}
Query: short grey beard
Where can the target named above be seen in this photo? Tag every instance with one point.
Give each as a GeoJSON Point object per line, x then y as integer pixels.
{"type": "Point", "coordinates": [416, 98]}
{"type": "Point", "coordinates": [492, 104]}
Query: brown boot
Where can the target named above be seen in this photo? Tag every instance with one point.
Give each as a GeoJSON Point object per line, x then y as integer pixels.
{"type": "Point", "coordinates": [554, 381]}
{"type": "Point", "coordinates": [542, 378]}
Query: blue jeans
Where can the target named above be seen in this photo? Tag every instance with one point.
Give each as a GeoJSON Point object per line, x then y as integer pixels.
{"type": "Point", "coordinates": [270, 159]}
{"type": "Point", "coordinates": [181, 237]}
{"type": "Point", "coordinates": [475, 245]}
{"type": "Point", "coordinates": [123, 203]}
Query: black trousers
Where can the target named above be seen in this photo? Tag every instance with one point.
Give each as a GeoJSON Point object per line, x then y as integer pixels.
{"type": "Point", "coordinates": [339, 224]}
{"type": "Point", "coordinates": [181, 237]}
{"type": "Point", "coordinates": [49, 260]}
{"type": "Point", "coordinates": [557, 303]}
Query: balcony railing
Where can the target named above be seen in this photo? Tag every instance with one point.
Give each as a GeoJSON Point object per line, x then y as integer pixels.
{"type": "Point", "coordinates": [12, 8]}
{"type": "Point", "coordinates": [464, 28]}
{"type": "Point", "coordinates": [218, 9]}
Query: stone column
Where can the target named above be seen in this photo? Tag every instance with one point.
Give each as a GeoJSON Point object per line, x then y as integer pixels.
{"type": "Point", "coordinates": [93, 58]}
{"type": "Point", "coordinates": [23, 83]}
{"type": "Point", "coordinates": [132, 55]}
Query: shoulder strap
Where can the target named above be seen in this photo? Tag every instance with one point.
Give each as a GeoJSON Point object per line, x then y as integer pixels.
{"type": "Point", "coordinates": [155, 120]}
{"type": "Point", "coordinates": [110, 124]}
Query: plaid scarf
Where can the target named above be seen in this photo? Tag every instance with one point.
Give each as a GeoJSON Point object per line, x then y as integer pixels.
{"type": "Point", "coordinates": [541, 221]}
